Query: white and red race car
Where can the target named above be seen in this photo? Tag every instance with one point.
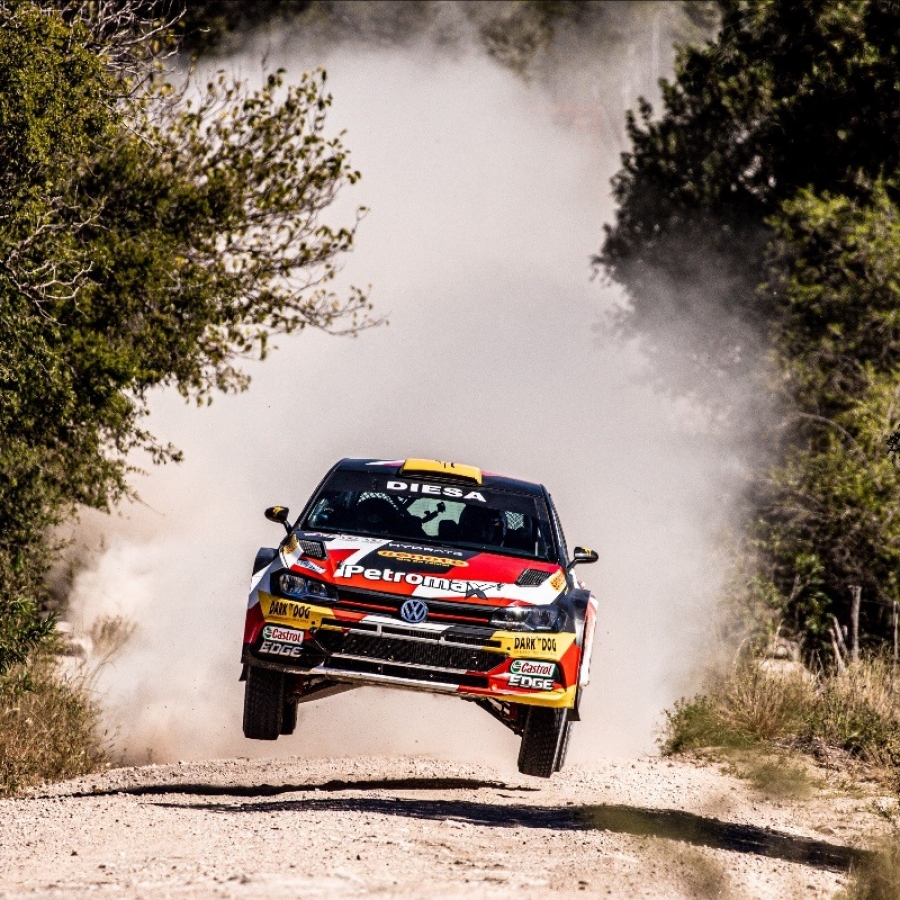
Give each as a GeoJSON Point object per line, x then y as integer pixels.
{"type": "Point", "coordinates": [429, 576]}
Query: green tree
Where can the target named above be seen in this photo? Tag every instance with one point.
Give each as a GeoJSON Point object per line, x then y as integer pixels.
{"type": "Point", "coordinates": [788, 96]}
{"type": "Point", "coordinates": [758, 219]}
{"type": "Point", "coordinates": [145, 241]}
{"type": "Point", "coordinates": [834, 265]}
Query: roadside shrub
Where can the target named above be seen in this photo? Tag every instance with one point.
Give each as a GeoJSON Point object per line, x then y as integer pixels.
{"type": "Point", "coordinates": [859, 711]}
{"type": "Point", "coordinates": [48, 726]}
{"type": "Point", "coordinates": [694, 723]}
{"type": "Point", "coordinates": [745, 707]}
{"type": "Point", "coordinates": [856, 711]}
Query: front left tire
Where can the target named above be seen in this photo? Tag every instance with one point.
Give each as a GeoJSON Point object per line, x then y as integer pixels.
{"type": "Point", "coordinates": [542, 738]}
{"type": "Point", "coordinates": [264, 704]}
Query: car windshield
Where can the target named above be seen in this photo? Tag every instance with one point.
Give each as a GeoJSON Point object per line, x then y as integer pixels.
{"type": "Point", "coordinates": [460, 515]}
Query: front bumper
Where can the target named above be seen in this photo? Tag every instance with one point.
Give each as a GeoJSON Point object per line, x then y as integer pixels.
{"type": "Point", "coordinates": [539, 669]}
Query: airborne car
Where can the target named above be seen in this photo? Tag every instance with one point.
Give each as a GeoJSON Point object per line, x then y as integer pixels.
{"type": "Point", "coordinates": [429, 576]}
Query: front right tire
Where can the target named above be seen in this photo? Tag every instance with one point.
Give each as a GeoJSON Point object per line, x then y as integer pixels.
{"type": "Point", "coordinates": [542, 738]}
{"type": "Point", "coordinates": [263, 704]}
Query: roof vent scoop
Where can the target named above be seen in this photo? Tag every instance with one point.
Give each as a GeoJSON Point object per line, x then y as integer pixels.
{"type": "Point", "coordinates": [313, 548]}
{"type": "Point", "coordinates": [532, 577]}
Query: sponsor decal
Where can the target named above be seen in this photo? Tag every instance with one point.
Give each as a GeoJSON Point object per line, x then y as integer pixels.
{"type": "Point", "coordinates": [533, 667]}
{"type": "Point", "coordinates": [543, 644]}
{"type": "Point", "coordinates": [528, 681]}
{"type": "Point", "coordinates": [287, 635]}
{"type": "Point", "coordinates": [316, 536]}
{"type": "Point", "coordinates": [434, 490]}
{"type": "Point", "coordinates": [438, 583]}
{"type": "Point", "coordinates": [418, 548]}
{"type": "Point", "coordinates": [287, 609]}
{"type": "Point", "coordinates": [413, 611]}
{"type": "Point", "coordinates": [558, 580]}
{"type": "Point", "coordinates": [308, 564]}
{"type": "Point", "coordinates": [290, 545]}
{"type": "Point", "coordinates": [422, 558]}
{"type": "Point", "coordinates": [535, 645]}
{"type": "Point", "coordinates": [272, 648]}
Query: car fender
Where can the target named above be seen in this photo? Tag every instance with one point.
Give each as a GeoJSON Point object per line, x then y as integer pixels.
{"type": "Point", "coordinates": [578, 604]}
{"type": "Point", "coordinates": [264, 556]}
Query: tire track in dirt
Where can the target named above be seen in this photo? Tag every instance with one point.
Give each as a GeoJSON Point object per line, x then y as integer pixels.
{"type": "Point", "coordinates": [419, 828]}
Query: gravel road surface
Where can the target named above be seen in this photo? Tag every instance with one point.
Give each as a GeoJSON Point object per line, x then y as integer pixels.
{"type": "Point", "coordinates": [373, 827]}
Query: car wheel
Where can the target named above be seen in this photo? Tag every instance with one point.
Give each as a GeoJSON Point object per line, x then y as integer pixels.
{"type": "Point", "coordinates": [541, 739]}
{"type": "Point", "coordinates": [289, 716]}
{"type": "Point", "coordinates": [563, 747]}
{"type": "Point", "coordinates": [263, 704]}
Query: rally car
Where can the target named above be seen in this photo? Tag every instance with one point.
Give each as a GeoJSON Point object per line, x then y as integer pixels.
{"type": "Point", "coordinates": [429, 576]}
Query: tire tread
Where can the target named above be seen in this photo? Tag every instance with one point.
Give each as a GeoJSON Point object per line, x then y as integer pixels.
{"type": "Point", "coordinates": [541, 740]}
{"type": "Point", "coordinates": [263, 704]}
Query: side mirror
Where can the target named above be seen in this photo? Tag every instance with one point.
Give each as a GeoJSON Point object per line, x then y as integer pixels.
{"type": "Point", "coordinates": [280, 514]}
{"type": "Point", "coordinates": [582, 555]}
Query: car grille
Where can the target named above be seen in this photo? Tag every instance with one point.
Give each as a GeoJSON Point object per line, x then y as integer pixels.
{"type": "Point", "coordinates": [392, 670]}
{"type": "Point", "coordinates": [459, 634]}
{"type": "Point", "coordinates": [415, 653]}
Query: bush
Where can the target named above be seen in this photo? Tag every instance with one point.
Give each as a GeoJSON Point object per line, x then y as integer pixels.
{"type": "Point", "coordinates": [746, 707]}
{"type": "Point", "coordinates": [856, 711]}
{"type": "Point", "coordinates": [859, 711]}
{"type": "Point", "coordinates": [47, 726]}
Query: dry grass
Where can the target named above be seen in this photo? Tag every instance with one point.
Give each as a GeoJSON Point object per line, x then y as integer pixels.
{"type": "Point", "coordinates": [878, 876]}
{"type": "Point", "coordinates": [48, 726]}
{"type": "Point", "coordinates": [743, 708]}
{"type": "Point", "coordinates": [110, 634]}
{"type": "Point", "coordinates": [847, 719]}
{"type": "Point", "coordinates": [777, 777]}
{"type": "Point", "coordinates": [859, 711]}
{"type": "Point", "coordinates": [853, 715]}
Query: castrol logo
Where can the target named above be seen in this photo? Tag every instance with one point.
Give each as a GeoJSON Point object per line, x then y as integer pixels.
{"type": "Point", "coordinates": [533, 667]}
{"type": "Point", "coordinates": [285, 635]}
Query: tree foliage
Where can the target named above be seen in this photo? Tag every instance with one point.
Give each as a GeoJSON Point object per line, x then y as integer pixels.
{"type": "Point", "coordinates": [789, 96]}
{"type": "Point", "coordinates": [834, 273]}
{"type": "Point", "coordinates": [834, 278]}
{"type": "Point", "coordinates": [759, 217]}
{"type": "Point", "coordinates": [145, 240]}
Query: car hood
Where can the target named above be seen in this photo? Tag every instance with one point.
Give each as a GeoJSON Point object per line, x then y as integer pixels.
{"type": "Point", "coordinates": [411, 569]}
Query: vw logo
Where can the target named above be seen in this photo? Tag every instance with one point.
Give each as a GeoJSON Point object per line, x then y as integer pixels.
{"type": "Point", "coordinates": [413, 611]}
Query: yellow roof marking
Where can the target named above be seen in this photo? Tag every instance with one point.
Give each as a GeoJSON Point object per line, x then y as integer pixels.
{"type": "Point", "coordinates": [441, 468]}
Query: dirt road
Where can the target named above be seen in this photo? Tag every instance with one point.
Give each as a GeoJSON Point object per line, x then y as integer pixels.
{"type": "Point", "coordinates": [406, 828]}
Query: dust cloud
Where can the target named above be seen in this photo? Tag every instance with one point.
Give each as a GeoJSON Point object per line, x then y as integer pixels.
{"type": "Point", "coordinates": [486, 201]}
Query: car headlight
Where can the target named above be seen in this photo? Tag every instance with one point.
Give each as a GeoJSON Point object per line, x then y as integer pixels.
{"type": "Point", "coordinates": [316, 588]}
{"type": "Point", "coordinates": [290, 584]}
{"type": "Point", "coordinates": [527, 618]}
